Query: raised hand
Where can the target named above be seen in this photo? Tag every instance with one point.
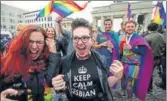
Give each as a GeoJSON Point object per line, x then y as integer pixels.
{"type": "Point", "coordinates": [59, 19]}
{"type": "Point", "coordinates": [127, 46]}
{"type": "Point", "coordinates": [116, 69]}
{"type": "Point", "coordinates": [109, 44]}
{"type": "Point", "coordinates": [51, 45]}
{"type": "Point", "coordinates": [104, 44]}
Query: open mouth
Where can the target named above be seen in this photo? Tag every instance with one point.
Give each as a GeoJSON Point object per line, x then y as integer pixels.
{"type": "Point", "coordinates": [81, 48]}
{"type": "Point", "coordinates": [33, 54]}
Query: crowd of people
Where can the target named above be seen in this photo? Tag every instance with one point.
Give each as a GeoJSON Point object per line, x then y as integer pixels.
{"type": "Point", "coordinates": [80, 65]}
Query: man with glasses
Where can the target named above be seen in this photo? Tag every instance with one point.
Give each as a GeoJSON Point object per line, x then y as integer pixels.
{"type": "Point", "coordinates": [82, 74]}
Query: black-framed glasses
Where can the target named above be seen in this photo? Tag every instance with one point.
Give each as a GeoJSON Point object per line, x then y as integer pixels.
{"type": "Point", "coordinates": [83, 39]}
{"type": "Point", "coordinates": [38, 42]}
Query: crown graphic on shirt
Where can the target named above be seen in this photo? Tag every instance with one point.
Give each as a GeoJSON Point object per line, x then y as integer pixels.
{"type": "Point", "coordinates": [82, 70]}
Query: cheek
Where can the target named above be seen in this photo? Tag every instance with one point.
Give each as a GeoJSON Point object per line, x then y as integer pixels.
{"type": "Point", "coordinates": [74, 44]}
{"type": "Point", "coordinates": [40, 49]}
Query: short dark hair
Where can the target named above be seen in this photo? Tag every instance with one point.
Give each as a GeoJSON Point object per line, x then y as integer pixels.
{"type": "Point", "coordinates": [81, 22]}
{"type": "Point", "coordinates": [108, 20]}
{"type": "Point", "coordinates": [152, 26]}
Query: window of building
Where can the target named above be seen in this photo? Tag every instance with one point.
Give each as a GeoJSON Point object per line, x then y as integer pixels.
{"type": "Point", "coordinates": [19, 15]}
{"type": "Point", "coordinates": [48, 24]}
{"type": "Point", "coordinates": [11, 14]}
{"type": "Point", "coordinates": [3, 19]}
{"type": "Point", "coordinates": [49, 18]}
{"type": "Point", "coordinates": [12, 27]}
{"type": "Point", "coordinates": [2, 12]}
{"type": "Point", "coordinates": [11, 20]}
{"type": "Point", "coordinates": [4, 26]}
{"type": "Point", "coordinates": [45, 25]}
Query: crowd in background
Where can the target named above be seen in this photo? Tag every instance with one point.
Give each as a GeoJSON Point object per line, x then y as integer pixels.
{"type": "Point", "coordinates": [135, 51]}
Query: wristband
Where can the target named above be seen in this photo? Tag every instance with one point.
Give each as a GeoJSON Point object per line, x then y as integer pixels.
{"type": "Point", "coordinates": [110, 74]}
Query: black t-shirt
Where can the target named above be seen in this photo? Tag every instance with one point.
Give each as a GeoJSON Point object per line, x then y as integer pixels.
{"type": "Point", "coordinates": [85, 80]}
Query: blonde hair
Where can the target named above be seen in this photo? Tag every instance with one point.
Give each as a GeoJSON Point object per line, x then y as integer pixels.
{"type": "Point", "coordinates": [131, 21]}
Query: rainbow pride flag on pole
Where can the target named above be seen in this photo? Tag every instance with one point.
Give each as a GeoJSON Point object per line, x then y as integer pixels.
{"type": "Point", "coordinates": [129, 11]}
{"type": "Point", "coordinates": [62, 7]}
{"type": "Point", "coordinates": [159, 14]}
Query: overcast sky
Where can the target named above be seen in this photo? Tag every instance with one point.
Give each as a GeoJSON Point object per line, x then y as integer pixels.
{"type": "Point", "coordinates": [37, 5]}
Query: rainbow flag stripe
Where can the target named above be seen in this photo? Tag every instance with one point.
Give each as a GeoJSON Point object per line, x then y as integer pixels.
{"type": "Point", "coordinates": [45, 11]}
{"type": "Point", "coordinates": [63, 8]}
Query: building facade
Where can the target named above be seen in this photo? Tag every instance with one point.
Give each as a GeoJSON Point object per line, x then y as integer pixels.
{"type": "Point", "coordinates": [119, 10]}
{"type": "Point", "coordinates": [44, 22]}
{"type": "Point", "coordinates": [10, 17]}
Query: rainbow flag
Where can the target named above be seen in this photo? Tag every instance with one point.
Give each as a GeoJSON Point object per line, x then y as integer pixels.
{"type": "Point", "coordinates": [65, 8]}
{"type": "Point", "coordinates": [129, 11]}
{"type": "Point", "coordinates": [62, 7]}
{"type": "Point", "coordinates": [45, 11]}
{"type": "Point", "coordinates": [159, 14]}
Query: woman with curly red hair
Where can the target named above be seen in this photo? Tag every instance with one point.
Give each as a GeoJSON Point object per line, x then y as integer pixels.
{"type": "Point", "coordinates": [29, 56]}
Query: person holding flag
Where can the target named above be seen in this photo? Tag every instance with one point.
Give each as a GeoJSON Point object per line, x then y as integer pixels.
{"type": "Point", "coordinates": [138, 62]}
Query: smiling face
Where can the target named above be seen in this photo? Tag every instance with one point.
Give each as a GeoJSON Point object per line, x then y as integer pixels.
{"type": "Point", "coordinates": [50, 33]}
{"type": "Point", "coordinates": [36, 45]}
{"type": "Point", "coordinates": [82, 41]}
{"type": "Point", "coordinates": [107, 25]}
{"type": "Point", "coordinates": [130, 27]}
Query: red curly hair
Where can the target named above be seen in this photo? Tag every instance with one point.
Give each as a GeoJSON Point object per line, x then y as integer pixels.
{"type": "Point", "coordinates": [17, 60]}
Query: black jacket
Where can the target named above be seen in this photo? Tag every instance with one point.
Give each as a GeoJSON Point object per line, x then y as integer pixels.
{"type": "Point", "coordinates": [102, 72]}
{"type": "Point", "coordinates": [34, 82]}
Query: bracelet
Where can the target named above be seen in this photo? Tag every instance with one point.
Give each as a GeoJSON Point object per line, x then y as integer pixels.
{"type": "Point", "coordinates": [110, 74]}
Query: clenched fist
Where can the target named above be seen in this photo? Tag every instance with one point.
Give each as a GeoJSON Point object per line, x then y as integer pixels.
{"type": "Point", "coordinates": [116, 73]}
{"type": "Point", "coordinates": [59, 83]}
{"type": "Point", "coordinates": [116, 69]}
{"type": "Point", "coordinates": [8, 92]}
